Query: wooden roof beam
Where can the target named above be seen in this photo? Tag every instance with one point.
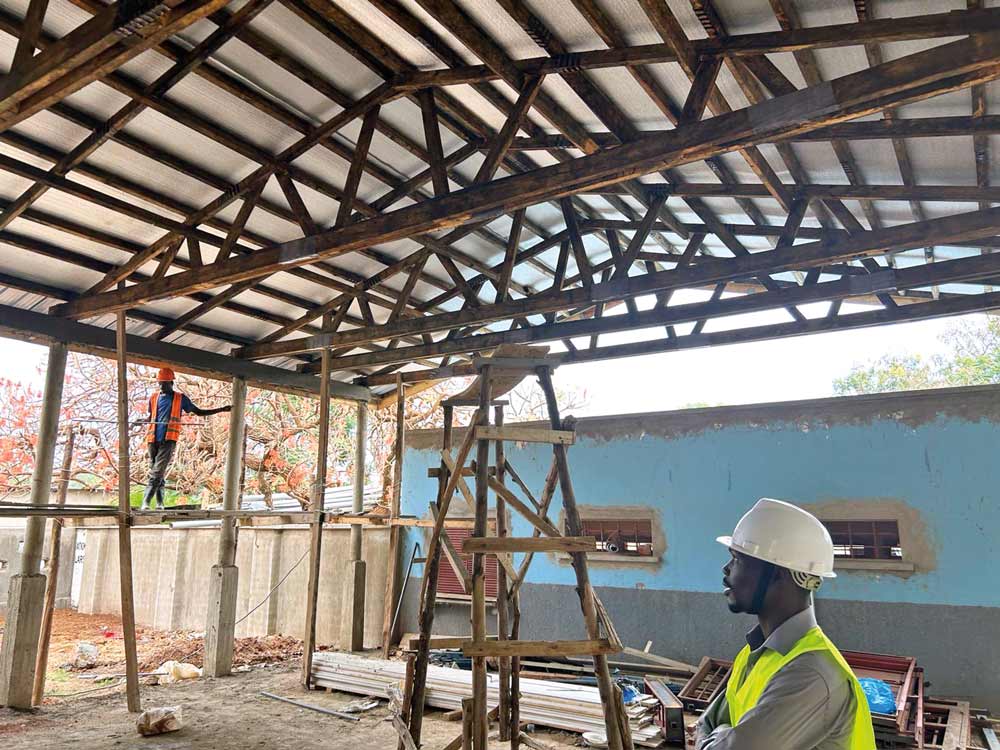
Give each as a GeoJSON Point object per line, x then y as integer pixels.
{"type": "Point", "coordinates": [957, 305]}
{"type": "Point", "coordinates": [107, 41]}
{"type": "Point", "coordinates": [953, 271]}
{"type": "Point", "coordinates": [32, 326]}
{"type": "Point", "coordinates": [962, 226]}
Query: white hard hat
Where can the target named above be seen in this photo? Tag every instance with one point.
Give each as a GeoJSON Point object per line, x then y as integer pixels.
{"type": "Point", "coordinates": [784, 534]}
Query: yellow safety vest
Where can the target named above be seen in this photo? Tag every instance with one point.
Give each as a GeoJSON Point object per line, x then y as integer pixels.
{"type": "Point", "coordinates": [743, 694]}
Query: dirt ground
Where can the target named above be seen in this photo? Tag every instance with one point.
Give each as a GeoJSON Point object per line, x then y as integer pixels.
{"type": "Point", "coordinates": [154, 647]}
{"type": "Point", "coordinates": [225, 713]}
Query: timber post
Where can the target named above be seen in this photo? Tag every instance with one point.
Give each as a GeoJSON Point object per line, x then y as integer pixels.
{"type": "Point", "coordinates": [316, 527]}
{"type": "Point", "coordinates": [125, 523]}
{"type": "Point", "coordinates": [393, 562]}
{"type": "Point", "coordinates": [52, 572]}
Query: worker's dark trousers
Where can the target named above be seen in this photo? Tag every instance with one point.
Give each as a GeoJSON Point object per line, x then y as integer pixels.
{"type": "Point", "coordinates": [160, 455]}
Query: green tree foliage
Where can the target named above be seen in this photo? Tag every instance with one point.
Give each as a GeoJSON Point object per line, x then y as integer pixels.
{"type": "Point", "coordinates": [973, 359]}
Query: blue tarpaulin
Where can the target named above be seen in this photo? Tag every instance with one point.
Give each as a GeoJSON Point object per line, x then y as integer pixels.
{"type": "Point", "coordinates": [880, 697]}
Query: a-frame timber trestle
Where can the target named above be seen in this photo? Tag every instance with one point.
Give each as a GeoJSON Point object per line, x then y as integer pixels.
{"type": "Point", "coordinates": [496, 375]}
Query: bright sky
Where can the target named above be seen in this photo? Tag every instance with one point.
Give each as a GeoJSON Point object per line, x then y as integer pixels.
{"type": "Point", "coordinates": [780, 370]}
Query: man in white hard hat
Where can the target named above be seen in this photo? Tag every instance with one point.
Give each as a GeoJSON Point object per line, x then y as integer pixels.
{"type": "Point", "coordinates": [790, 689]}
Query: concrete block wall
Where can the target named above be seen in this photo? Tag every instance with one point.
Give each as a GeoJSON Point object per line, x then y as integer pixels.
{"type": "Point", "coordinates": [171, 578]}
{"type": "Point", "coordinates": [11, 538]}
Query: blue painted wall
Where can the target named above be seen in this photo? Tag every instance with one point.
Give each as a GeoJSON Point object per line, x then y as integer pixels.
{"type": "Point", "coordinates": [936, 452]}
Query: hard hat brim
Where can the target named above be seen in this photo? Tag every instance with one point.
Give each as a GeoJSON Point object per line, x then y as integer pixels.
{"type": "Point", "coordinates": [727, 541]}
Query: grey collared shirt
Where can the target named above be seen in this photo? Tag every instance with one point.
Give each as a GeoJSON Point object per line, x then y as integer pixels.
{"type": "Point", "coordinates": [808, 705]}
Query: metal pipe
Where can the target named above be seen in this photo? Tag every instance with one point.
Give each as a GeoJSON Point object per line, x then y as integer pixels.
{"type": "Point", "coordinates": [402, 589]}
{"type": "Point", "coordinates": [234, 461]}
{"type": "Point", "coordinates": [45, 451]}
{"type": "Point", "coordinates": [359, 477]}
{"type": "Point", "coordinates": [311, 707]}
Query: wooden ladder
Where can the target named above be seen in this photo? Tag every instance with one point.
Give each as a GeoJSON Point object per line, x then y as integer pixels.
{"type": "Point", "coordinates": [507, 647]}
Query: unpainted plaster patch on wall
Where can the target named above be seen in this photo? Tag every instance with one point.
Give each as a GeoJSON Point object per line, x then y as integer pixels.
{"type": "Point", "coordinates": [912, 409]}
{"type": "Point", "coordinates": [915, 537]}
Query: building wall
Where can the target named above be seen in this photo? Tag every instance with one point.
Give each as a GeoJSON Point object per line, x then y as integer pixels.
{"type": "Point", "coordinates": [927, 459]}
{"type": "Point", "coordinates": [11, 539]}
{"type": "Point", "coordinates": [171, 578]}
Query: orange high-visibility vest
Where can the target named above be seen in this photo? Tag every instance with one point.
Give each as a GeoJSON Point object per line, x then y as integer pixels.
{"type": "Point", "coordinates": [173, 424]}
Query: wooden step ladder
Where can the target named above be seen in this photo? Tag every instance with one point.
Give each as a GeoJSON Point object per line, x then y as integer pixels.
{"type": "Point", "coordinates": [498, 375]}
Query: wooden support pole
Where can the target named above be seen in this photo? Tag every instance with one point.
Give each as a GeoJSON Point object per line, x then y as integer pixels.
{"type": "Point", "coordinates": [316, 529]}
{"type": "Point", "coordinates": [392, 566]}
{"type": "Point", "coordinates": [413, 707]}
{"type": "Point", "coordinates": [125, 525]}
{"type": "Point", "coordinates": [52, 573]}
{"type": "Point", "coordinates": [515, 672]}
{"type": "Point", "coordinates": [502, 591]}
{"type": "Point", "coordinates": [220, 629]}
{"type": "Point", "coordinates": [478, 565]}
{"type": "Point", "coordinates": [354, 623]}
{"type": "Point", "coordinates": [468, 719]}
{"type": "Point", "coordinates": [573, 528]}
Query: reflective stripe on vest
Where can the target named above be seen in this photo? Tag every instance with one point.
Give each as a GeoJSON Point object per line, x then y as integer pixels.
{"type": "Point", "coordinates": [743, 694]}
{"type": "Point", "coordinates": [173, 423]}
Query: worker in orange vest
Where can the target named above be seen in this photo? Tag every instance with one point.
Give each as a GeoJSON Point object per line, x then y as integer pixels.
{"type": "Point", "coordinates": [165, 409]}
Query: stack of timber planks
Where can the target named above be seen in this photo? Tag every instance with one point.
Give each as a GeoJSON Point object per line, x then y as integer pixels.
{"type": "Point", "coordinates": [574, 708]}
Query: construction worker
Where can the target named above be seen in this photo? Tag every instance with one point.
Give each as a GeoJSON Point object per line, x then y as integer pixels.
{"type": "Point", "coordinates": [165, 409]}
{"type": "Point", "coordinates": [790, 689]}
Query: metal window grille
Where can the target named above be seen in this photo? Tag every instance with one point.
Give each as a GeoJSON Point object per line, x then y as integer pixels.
{"type": "Point", "coordinates": [865, 540]}
{"type": "Point", "coordinates": [621, 536]}
{"type": "Point", "coordinates": [449, 583]}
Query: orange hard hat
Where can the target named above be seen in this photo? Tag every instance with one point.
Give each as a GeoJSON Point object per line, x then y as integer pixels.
{"type": "Point", "coordinates": [165, 375]}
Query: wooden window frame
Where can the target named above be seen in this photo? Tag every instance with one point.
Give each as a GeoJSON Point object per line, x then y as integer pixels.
{"type": "Point", "coordinates": [630, 513]}
{"type": "Point", "coordinates": [843, 562]}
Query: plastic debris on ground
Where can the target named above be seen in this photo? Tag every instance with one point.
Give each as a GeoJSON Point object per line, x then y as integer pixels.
{"type": "Point", "coordinates": [356, 707]}
{"type": "Point", "coordinates": [174, 671]}
{"type": "Point", "coordinates": [86, 655]}
{"type": "Point", "coordinates": [155, 721]}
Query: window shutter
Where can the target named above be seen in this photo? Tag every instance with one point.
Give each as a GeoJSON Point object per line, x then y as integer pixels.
{"type": "Point", "coordinates": [449, 583]}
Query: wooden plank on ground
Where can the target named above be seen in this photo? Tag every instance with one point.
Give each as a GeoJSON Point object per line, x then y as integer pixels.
{"type": "Point", "coordinates": [537, 648]}
{"type": "Point", "coordinates": [671, 663]}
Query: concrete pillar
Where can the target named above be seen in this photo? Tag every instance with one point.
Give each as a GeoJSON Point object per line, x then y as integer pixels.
{"type": "Point", "coordinates": [27, 589]}
{"type": "Point", "coordinates": [354, 581]}
{"type": "Point", "coordinates": [220, 633]}
{"type": "Point", "coordinates": [220, 630]}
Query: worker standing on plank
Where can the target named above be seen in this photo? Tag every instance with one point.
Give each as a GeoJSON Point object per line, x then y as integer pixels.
{"type": "Point", "coordinates": [790, 689]}
{"type": "Point", "coordinates": [165, 409]}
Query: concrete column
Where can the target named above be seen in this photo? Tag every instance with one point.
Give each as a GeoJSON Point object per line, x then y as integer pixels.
{"type": "Point", "coordinates": [220, 630]}
{"type": "Point", "coordinates": [360, 454]}
{"type": "Point", "coordinates": [354, 582]}
{"type": "Point", "coordinates": [27, 589]}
